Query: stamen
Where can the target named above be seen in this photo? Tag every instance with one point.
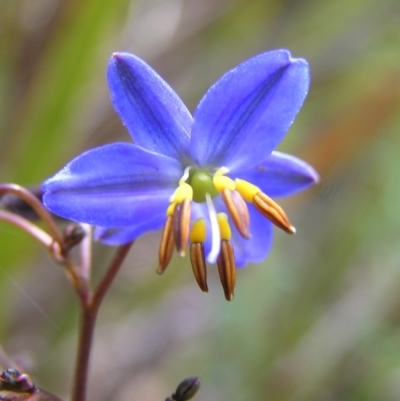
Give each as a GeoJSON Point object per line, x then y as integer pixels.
{"type": "Point", "coordinates": [246, 189]}
{"type": "Point", "coordinates": [227, 269]}
{"type": "Point", "coordinates": [226, 258]}
{"type": "Point", "coordinates": [274, 205]}
{"type": "Point", "coordinates": [265, 205]}
{"type": "Point", "coordinates": [199, 231]}
{"type": "Point", "coordinates": [215, 234]}
{"type": "Point", "coordinates": [222, 181]}
{"type": "Point", "coordinates": [238, 211]}
{"type": "Point", "coordinates": [184, 191]}
{"type": "Point", "coordinates": [272, 214]}
{"type": "Point", "coordinates": [197, 258]}
{"type": "Point", "coordinates": [170, 209]}
{"type": "Point", "coordinates": [198, 262]}
{"type": "Point", "coordinates": [224, 228]}
{"type": "Point", "coordinates": [166, 247]}
{"type": "Point", "coordinates": [181, 223]}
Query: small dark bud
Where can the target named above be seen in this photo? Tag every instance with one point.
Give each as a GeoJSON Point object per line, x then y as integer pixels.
{"type": "Point", "coordinates": [186, 389]}
{"type": "Point", "coordinates": [73, 235]}
{"type": "Point", "coordinates": [10, 376]}
{"type": "Point", "coordinates": [18, 206]}
{"type": "Point", "coordinates": [12, 380]}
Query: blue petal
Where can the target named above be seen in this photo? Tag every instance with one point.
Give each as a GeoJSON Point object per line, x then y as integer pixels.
{"type": "Point", "coordinates": [123, 235]}
{"type": "Point", "coordinates": [155, 116]}
{"type": "Point", "coordinates": [115, 185]}
{"type": "Point", "coordinates": [244, 116]}
{"type": "Point", "coordinates": [281, 175]}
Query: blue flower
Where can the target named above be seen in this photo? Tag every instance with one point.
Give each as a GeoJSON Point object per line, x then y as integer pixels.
{"type": "Point", "coordinates": [207, 179]}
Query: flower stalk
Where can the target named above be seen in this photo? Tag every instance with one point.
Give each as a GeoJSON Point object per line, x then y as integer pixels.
{"type": "Point", "coordinates": [90, 304]}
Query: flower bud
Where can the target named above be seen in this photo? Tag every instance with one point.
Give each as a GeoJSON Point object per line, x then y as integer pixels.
{"type": "Point", "coordinates": [186, 389]}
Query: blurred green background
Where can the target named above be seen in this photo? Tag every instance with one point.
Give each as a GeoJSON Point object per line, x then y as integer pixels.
{"type": "Point", "coordinates": [320, 318]}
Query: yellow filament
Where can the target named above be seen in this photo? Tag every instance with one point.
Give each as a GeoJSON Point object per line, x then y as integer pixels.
{"type": "Point", "coordinates": [224, 228]}
{"type": "Point", "coordinates": [247, 190]}
{"type": "Point", "coordinates": [184, 191]}
{"type": "Point", "coordinates": [185, 175]}
{"type": "Point", "coordinates": [198, 232]}
{"type": "Point", "coordinates": [222, 181]}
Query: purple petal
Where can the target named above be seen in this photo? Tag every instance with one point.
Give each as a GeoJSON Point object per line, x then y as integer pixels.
{"type": "Point", "coordinates": [153, 113]}
{"type": "Point", "coordinates": [123, 235]}
{"type": "Point", "coordinates": [244, 116]}
{"type": "Point", "coordinates": [281, 175]}
{"type": "Point", "coordinates": [115, 185]}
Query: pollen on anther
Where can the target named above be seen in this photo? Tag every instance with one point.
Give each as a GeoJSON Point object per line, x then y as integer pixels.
{"type": "Point", "coordinates": [184, 191]}
{"type": "Point", "coordinates": [224, 228]}
{"type": "Point", "coordinates": [222, 182]}
{"type": "Point", "coordinates": [246, 189]}
{"type": "Point", "coordinates": [198, 231]}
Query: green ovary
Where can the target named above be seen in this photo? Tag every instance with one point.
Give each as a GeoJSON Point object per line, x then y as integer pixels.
{"type": "Point", "coordinates": [202, 183]}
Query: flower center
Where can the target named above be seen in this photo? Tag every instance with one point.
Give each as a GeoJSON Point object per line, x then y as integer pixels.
{"type": "Point", "coordinates": [181, 228]}
{"type": "Point", "coordinates": [202, 183]}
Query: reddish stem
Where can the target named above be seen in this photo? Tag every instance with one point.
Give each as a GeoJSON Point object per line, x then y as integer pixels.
{"type": "Point", "coordinates": [88, 320]}
{"type": "Point", "coordinates": [90, 306]}
{"type": "Point", "coordinates": [110, 274]}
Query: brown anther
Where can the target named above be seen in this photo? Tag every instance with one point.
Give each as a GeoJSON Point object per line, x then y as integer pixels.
{"type": "Point", "coordinates": [274, 205]}
{"type": "Point", "coordinates": [166, 247]}
{"type": "Point", "coordinates": [238, 211]}
{"type": "Point", "coordinates": [272, 211]}
{"type": "Point", "coordinates": [227, 269]}
{"type": "Point", "coordinates": [181, 225]}
{"type": "Point", "coordinates": [199, 267]}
